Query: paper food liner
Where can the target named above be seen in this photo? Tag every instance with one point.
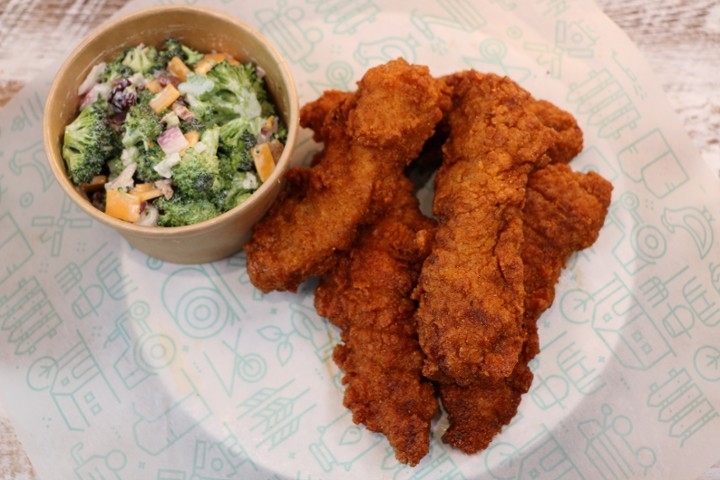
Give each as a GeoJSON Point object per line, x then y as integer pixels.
{"type": "Point", "coordinates": [116, 365]}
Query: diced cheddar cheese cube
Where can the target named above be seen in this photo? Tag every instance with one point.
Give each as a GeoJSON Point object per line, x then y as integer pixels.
{"type": "Point", "coordinates": [164, 98]}
{"type": "Point", "coordinates": [211, 59]}
{"type": "Point", "coordinates": [122, 205]}
{"type": "Point", "coordinates": [178, 68]}
{"type": "Point", "coordinates": [154, 86]}
{"type": "Point", "coordinates": [263, 159]}
{"type": "Point", "coordinates": [97, 183]}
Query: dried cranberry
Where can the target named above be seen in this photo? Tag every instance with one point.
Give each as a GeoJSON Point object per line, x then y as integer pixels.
{"type": "Point", "coordinates": [122, 97]}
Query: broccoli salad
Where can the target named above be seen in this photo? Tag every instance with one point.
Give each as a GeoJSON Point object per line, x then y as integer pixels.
{"type": "Point", "coordinates": [170, 136]}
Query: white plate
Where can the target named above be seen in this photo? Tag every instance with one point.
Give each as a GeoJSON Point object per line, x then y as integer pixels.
{"type": "Point", "coordinates": [122, 366]}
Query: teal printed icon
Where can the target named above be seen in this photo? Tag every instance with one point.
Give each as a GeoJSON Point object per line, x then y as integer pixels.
{"type": "Point", "coordinates": [573, 363]}
{"type": "Point", "coordinates": [575, 39]}
{"type": "Point", "coordinates": [636, 244]}
{"type": "Point", "coordinates": [222, 459]}
{"type": "Point", "coordinates": [608, 449]}
{"type": "Point", "coordinates": [603, 100]}
{"type": "Point", "coordinates": [679, 319]}
{"type": "Point", "coordinates": [164, 423]}
{"type": "Point", "coordinates": [703, 302]}
{"type": "Point", "coordinates": [707, 363]}
{"type": "Point", "coordinates": [229, 364]}
{"type": "Point", "coordinates": [542, 457]}
{"type": "Point", "coordinates": [142, 352]}
{"type": "Point", "coordinates": [284, 27]}
{"type": "Point", "coordinates": [507, 5]}
{"type": "Point", "coordinates": [651, 162]}
{"type": "Point", "coordinates": [29, 316]}
{"type": "Point", "coordinates": [386, 49]}
{"type": "Point", "coordinates": [681, 405]}
{"type": "Point", "coordinates": [694, 222]}
{"type": "Point", "coordinates": [274, 415]}
{"type": "Point", "coordinates": [553, 8]}
{"type": "Point", "coordinates": [342, 443]}
{"type": "Point", "coordinates": [637, 86]}
{"type": "Point", "coordinates": [307, 325]}
{"type": "Point", "coordinates": [346, 15]}
{"type": "Point", "coordinates": [172, 474]}
{"type": "Point", "coordinates": [71, 274]}
{"type": "Point", "coordinates": [32, 159]}
{"type": "Point", "coordinates": [71, 216]}
{"type": "Point", "coordinates": [200, 301]}
{"type": "Point", "coordinates": [438, 463]}
{"type": "Point", "coordinates": [109, 272]}
{"type": "Point", "coordinates": [15, 250]}
{"type": "Point", "coordinates": [98, 467]}
{"type": "Point", "coordinates": [339, 76]}
{"type": "Point", "coordinates": [549, 391]}
{"type": "Point", "coordinates": [714, 269]}
{"type": "Point", "coordinates": [30, 115]}
{"type": "Point", "coordinates": [492, 55]}
{"type": "Point", "coordinates": [76, 383]}
{"type": "Point", "coordinates": [620, 320]}
{"type": "Point", "coordinates": [460, 15]}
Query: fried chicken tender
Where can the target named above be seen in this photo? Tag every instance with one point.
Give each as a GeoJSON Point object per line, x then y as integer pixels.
{"type": "Point", "coordinates": [470, 290]}
{"type": "Point", "coordinates": [367, 295]}
{"type": "Point", "coordinates": [369, 137]}
{"type": "Point", "coordinates": [570, 137]}
{"type": "Point", "coordinates": [563, 213]}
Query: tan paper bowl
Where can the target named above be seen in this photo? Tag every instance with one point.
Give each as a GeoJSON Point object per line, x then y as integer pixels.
{"type": "Point", "coordinates": [204, 30]}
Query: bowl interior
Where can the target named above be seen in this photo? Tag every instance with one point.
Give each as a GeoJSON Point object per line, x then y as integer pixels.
{"type": "Point", "coordinates": [205, 31]}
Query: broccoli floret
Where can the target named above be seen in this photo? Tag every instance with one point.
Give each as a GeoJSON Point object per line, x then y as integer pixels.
{"type": "Point", "coordinates": [193, 124]}
{"type": "Point", "coordinates": [142, 125]}
{"type": "Point", "coordinates": [173, 48]}
{"type": "Point", "coordinates": [237, 137]}
{"type": "Point", "coordinates": [114, 166]}
{"type": "Point", "coordinates": [226, 92]}
{"type": "Point", "coordinates": [234, 91]}
{"type": "Point", "coordinates": [242, 185]}
{"type": "Point", "coordinates": [179, 211]}
{"type": "Point", "coordinates": [146, 161]}
{"type": "Point", "coordinates": [198, 174]}
{"type": "Point", "coordinates": [115, 70]}
{"type": "Point", "coordinates": [191, 56]}
{"type": "Point", "coordinates": [88, 142]}
{"type": "Point", "coordinates": [142, 59]}
{"type": "Point", "coordinates": [196, 89]}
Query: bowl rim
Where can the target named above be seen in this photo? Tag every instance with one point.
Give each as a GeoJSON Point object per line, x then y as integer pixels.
{"type": "Point", "coordinates": [55, 155]}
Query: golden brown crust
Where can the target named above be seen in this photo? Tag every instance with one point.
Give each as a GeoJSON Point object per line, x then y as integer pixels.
{"type": "Point", "coordinates": [470, 290]}
{"type": "Point", "coordinates": [563, 213]}
{"type": "Point", "coordinates": [368, 137]}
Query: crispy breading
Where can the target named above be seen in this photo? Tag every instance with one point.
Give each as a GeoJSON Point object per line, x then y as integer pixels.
{"type": "Point", "coordinates": [368, 137]}
{"type": "Point", "coordinates": [367, 295]}
{"type": "Point", "coordinates": [470, 290]}
{"type": "Point", "coordinates": [563, 213]}
{"type": "Point", "coordinates": [570, 137]}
